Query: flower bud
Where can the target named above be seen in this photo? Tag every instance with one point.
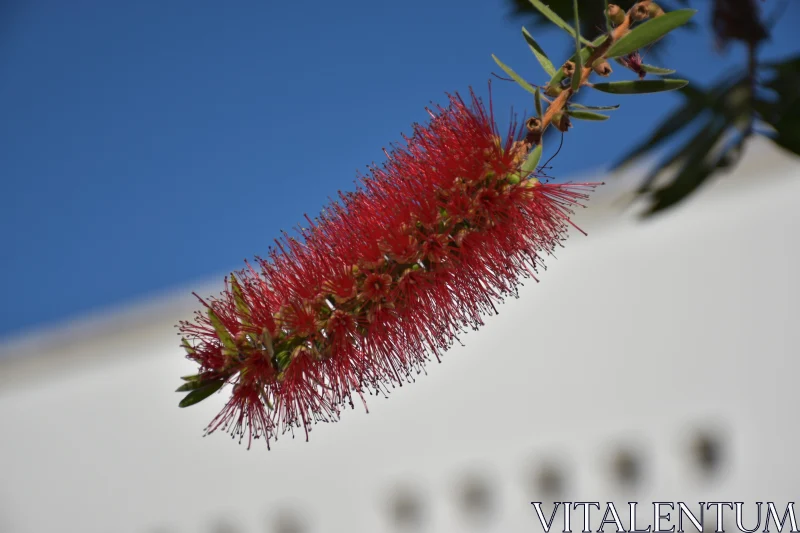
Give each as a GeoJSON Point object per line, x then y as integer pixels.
{"type": "Point", "coordinates": [534, 127]}
{"type": "Point", "coordinates": [533, 124]}
{"type": "Point", "coordinates": [601, 67]}
{"type": "Point", "coordinates": [553, 91]}
{"type": "Point", "coordinates": [640, 12]}
{"type": "Point", "coordinates": [654, 10]}
{"type": "Point", "coordinates": [615, 14]}
{"type": "Point", "coordinates": [561, 122]}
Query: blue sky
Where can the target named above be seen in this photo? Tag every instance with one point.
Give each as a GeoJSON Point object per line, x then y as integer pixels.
{"type": "Point", "coordinates": [154, 145]}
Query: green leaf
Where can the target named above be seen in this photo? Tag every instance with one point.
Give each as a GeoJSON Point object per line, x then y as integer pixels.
{"type": "Point", "coordinates": [198, 395]}
{"type": "Point", "coordinates": [283, 358]}
{"type": "Point", "coordinates": [650, 69]}
{"type": "Point", "coordinates": [224, 337]}
{"type": "Point", "coordinates": [532, 162]}
{"type": "Point", "coordinates": [576, 77]}
{"type": "Point", "coordinates": [241, 303]}
{"type": "Point", "coordinates": [650, 31]}
{"type": "Point", "coordinates": [586, 51]}
{"type": "Point", "coordinates": [555, 19]}
{"type": "Point", "coordinates": [595, 107]}
{"type": "Point", "coordinates": [586, 115]}
{"type": "Point", "coordinates": [516, 77]}
{"type": "Point", "coordinates": [191, 385]}
{"type": "Point", "coordinates": [187, 347]}
{"type": "Point", "coordinates": [544, 61]}
{"type": "Point", "coordinates": [193, 377]}
{"type": "Point", "coordinates": [605, 16]}
{"type": "Point", "coordinates": [537, 99]}
{"type": "Point", "coordinates": [640, 86]}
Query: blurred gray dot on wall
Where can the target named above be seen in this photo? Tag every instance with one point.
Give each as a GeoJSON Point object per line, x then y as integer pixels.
{"type": "Point", "coordinates": [707, 451]}
{"type": "Point", "coordinates": [476, 497]}
{"type": "Point", "coordinates": [224, 526]}
{"type": "Point", "coordinates": [547, 480]}
{"type": "Point", "coordinates": [627, 467]}
{"type": "Point", "coordinates": [406, 508]}
{"type": "Point", "coordinates": [288, 522]}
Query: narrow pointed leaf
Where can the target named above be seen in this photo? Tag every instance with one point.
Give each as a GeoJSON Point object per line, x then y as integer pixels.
{"type": "Point", "coordinates": [198, 395]}
{"type": "Point", "coordinates": [650, 31]}
{"type": "Point", "coordinates": [544, 61]}
{"type": "Point", "coordinates": [554, 18]}
{"type": "Point", "coordinates": [650, 69]}
{"type": "Point", "coordinates": [241, 303]}
{"type": "Point", "coordinates": [224, 337]}
{"type": "Point", "coordinates": [537, 99]}
{"type": "Point", "coordinates": [532, 162]}
{"type": "Point", "coordinates": [187, 346]}
{"type": "Point", "coordinates": [576, 77]}
{"type": "Point", "coordinates": [640, 87]}
{"type": "Point", "coordinates": [594, 107]}
{"type": "Point", "coordinates": [193, 377]}
{"type": "Point", "coordinates": [516, 77]}
{"type": "Point", "coordinates": [586, 115]}
{"type": "Point", "coordinates": [190, 386]}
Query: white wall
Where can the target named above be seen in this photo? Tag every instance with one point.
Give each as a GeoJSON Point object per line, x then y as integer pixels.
{"type": "Point", "coordinates": [639, 337]}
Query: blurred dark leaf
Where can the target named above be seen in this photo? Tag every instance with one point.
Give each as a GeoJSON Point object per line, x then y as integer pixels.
{"type": "Point", "coordinates": [697, 102]}
{"type": "Point", "coordinates": [675, 156]}
{"type": "Point", "coordinates": [782, 110]}
{"type": "Point", "coordinates": [738, 20]}
{"type": "Point", "coordinates": [698, 164]}
{"type": "Point", "coordinates": [789, 136]}
{"type": "Point", "coordinates": [788, 129]}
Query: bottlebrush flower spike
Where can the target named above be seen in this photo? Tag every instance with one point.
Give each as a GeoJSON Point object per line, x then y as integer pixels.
{"type": "Point", "coordinates": [381, 281]}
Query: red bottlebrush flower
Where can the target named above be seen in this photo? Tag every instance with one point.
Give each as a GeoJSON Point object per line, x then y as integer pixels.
{"type": "Point", "coordinates": [381, 281]}
{"type": "Point", "coordinates": [377, 286]}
